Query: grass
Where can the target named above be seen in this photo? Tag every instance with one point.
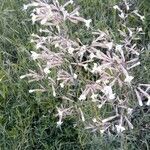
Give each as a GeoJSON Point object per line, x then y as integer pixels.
{"type": "Point", "coordinates": [27, 120]}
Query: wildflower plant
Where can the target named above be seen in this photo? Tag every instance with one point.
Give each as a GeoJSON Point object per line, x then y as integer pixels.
{"type": "Point", "coordinates": [108, 64]}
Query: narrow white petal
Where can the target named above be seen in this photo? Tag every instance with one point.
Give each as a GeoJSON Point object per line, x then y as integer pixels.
{"type": "Point", "coordinates": [139, 98]}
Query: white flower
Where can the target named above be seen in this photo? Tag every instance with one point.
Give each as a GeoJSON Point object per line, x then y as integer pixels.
{"type": "Point", "coordinates": [129, 111]}
{"type": "Point", "coordinates": [98, 81]}
{"type": "Point", "coordinates": [94, 97]}
{"type": "Point", "coordinates": [109, 45]}
{"type": "Point", "coordinates": [112, 96]}
{"type": "Point", "coordinates": [66, 4]}
{"type": "Point", "coordinates": [127, 5]}
{"type": "Point", "coordinates": [41, 30]}
{"type": "Point", "coordinates": [32, 41]}
{"type": "Point", "coordinates": [130, 32]}
{"type": "Point", "coordinates": [75, 125]}
{"type": "Point", "coordinates": [25, 7]}
{"type": "Point", "coordinates": [122, 15]}
{"type": "Point", "coordinates": [71, 1]}
{"type": "Point", "coordinates": [119, 128]}
{"type": "Point", "coordinates": [82, 97]}
{"type": "Point", "coordinates": [38, 45]}
{"type": "Point", "coordinates": [60, 114]}
{"type": "Point", "coordinates": [94, 120]}
{"type": "Point", "coordinates": [128, 79]}
{"type": "Point", "coordinates": [59, 123]}
{"type": "Point", "coordinates": [100, 106]}
{"type": "Point", "coordinates": [136, 13]}
{"type": "Point", "coordinates": [56, 45]}
{"type": "Point", "coordinates": [34, 55]}
{"type": "Point", "coordinates": [43, 21]}
{"type": "Point", "coordinates": [94, 68]}
{"type": "Point", "coordinates": [34, 35]}
{"type": "Point", "coordinates": [92, 56]}
{"type": "Point", "coordinates": [70, 50]}
{"type": "Point", "coordinates": [36, 90]}
{"type": "Point", "coordinates": [142, 18]}
{"type": "Point", "coordinates": [22, 77]}
{"type": "Point", "coordinates": [117, 8]}
{"type": "Point", "coordinates": [46, 70]}
{"type": "Point", "coordinates": [85, 66]}
{"type": "Point", "coordinates": [139, 29]}
{"type": "Point", "coordinates": [75, 76]}
{"type": "Point", "coordinates": [35, 4]}
{"type": "Point", "coordinates": [102, 131]}
{"type": "Point", "coordinates": [136, 64]}
{"type": "Point", "coordinates": [87, 23]}
{"type": "Point", "coordinates": [37, 10]}
{"type": "Point", "coordinates": [108, 91]}
{"type": "Point", "coordinates": [62, 85]}
{"type": "Point", "coordinates": [119, 47]}
{"type": "Point", "coordinates": [33, 18]}
{"type": "Point", "coordinates": [31, 91]}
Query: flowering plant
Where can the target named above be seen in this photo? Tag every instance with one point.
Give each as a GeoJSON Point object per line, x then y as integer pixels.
{"type": "Point", "coordinates": [90, 73]}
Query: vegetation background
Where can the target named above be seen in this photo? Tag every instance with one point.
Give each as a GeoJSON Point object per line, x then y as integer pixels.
{"type": "Point", "coordinates": [26, 120]}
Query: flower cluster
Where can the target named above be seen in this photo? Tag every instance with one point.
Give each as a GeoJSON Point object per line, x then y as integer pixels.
{"type": "Point", "coordinates": [66, 62]}
{"type": "Point", "coordinates": [54, 14]}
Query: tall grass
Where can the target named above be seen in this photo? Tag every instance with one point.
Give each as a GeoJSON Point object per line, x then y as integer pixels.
{"type": "Point", "coordinates": [27, 121]}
